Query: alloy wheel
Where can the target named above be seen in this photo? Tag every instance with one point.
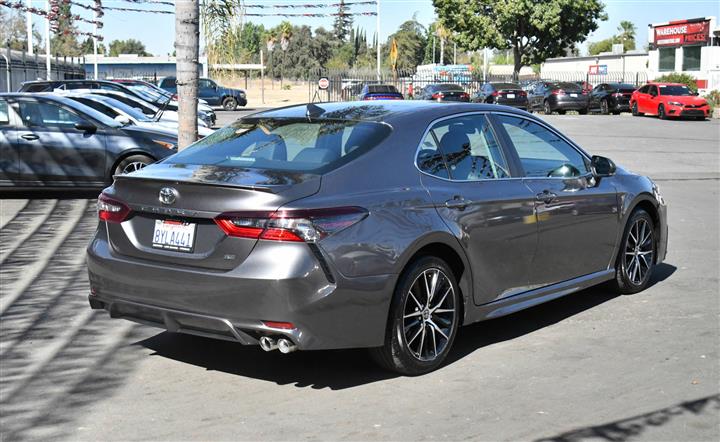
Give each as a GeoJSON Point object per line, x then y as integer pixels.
{"type": "Point", "coordinates": [429, 314]}
{"type": "Point", "coordinates": [639, 251]}
{"type": "Point", "coordinates": [661, 112]}
{"type": "Point", "coordinates": [132, 167]}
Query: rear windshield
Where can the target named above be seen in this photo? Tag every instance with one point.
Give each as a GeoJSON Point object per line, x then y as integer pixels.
{"type": "Point", "coordinates": [674, 90]}
{"type": "Point", "coordinates": [449, 87]}
{"type": "Point", "coordinates": [382, 89]}
{"type": "Point", "coordinates": [568, 86]}
{"type": "Point", "coordinates": [36, 87]}
{"type": "Point", "coordinates": [285, 144]}
{"type": "Point", "coordinates": [506, 86]}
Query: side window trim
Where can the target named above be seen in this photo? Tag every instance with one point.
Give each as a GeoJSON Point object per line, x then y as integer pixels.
{"type": "Point", "coordinates": [506, 138]}
{"type": "Point", "coordinates": [499, 138]}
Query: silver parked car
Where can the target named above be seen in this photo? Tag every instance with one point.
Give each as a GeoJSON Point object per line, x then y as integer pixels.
{"type": "Point", "coordinates": [381, 225]}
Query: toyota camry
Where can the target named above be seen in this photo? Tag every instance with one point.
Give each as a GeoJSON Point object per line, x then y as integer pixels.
{"type": "Point", "coordinates": [383, 225]}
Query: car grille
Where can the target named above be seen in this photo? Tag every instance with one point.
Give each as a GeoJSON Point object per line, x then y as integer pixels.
{"type": "Point", "coordinates": [693, 106]}
{"type": "Point", "coordinates": [693, 113]}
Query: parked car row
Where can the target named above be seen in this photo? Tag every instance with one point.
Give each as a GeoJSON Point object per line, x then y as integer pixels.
{"type": "Point", "coordinates": [662, 99]}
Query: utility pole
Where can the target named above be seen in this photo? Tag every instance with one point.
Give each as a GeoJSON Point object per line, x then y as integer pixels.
{"type": "Point", "coordinates": [28, 20]}
{"type": "Point", "coordinates": [377, 31]}
{"type": "Point", "coordinates": [187, 47]}
{"type": "Point", "coordinates": [47, 41]}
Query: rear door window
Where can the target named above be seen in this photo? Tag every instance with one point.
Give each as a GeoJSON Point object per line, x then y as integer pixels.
{"type": "Point", "coordinates": [469, 150]}
{"type": "Point", "coordinates": [285, 144]}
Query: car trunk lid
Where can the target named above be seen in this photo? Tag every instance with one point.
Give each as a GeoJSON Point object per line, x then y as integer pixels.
{"type": "Point", "coordinates": [179, 227]}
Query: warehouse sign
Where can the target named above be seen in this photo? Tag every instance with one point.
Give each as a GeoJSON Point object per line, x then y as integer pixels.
{"type": "Point", "coordinates": [681, 33]}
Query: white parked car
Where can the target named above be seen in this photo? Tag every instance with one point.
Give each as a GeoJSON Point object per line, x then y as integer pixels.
{"type": "Point", "coordinates": [125, 114]}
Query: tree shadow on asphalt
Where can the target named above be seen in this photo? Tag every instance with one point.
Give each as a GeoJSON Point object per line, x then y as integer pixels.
{"type": "Point", "coordinates": [341, 369]}
{"type": "Point", "coordinates": [634, 426]}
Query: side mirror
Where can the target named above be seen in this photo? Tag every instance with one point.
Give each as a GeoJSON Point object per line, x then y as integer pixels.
{"type": "Point", "coordinates": [602, 167]}
{"type": "Point", "coordinates": [122, 119]}
{"type": "Point", "coordinates": [85, 126]}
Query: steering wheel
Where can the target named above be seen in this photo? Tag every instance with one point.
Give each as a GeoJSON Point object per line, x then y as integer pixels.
{"type": "Point", "coordinates": [564, 171]}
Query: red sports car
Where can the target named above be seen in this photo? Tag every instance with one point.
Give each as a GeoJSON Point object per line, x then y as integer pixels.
{"type": "Point", "coordinates": [668, 100]}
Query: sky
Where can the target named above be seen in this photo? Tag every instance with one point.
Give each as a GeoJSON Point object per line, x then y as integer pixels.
{"type": "Point", "coordinates": [156, 31]}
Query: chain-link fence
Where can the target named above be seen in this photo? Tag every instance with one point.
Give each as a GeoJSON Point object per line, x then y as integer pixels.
{"type": "Point", "coordinates": [17, 67]}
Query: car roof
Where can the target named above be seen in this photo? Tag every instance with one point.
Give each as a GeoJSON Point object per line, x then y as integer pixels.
{"type": "Point", "coordinates": [652, 83]}
{"type": "Point", "coordinates": [386, 111]}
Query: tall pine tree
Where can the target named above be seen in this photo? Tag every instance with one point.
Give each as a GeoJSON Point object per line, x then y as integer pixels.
{"type": "Point", "coordinates": [343, 22]}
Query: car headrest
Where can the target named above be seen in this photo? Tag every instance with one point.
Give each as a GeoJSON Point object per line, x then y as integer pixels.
{"type": "Point", "coordinates": [273, 148]}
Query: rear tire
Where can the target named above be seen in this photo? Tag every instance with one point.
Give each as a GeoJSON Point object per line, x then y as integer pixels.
{"type": "Point", "coordinates": [131, 164]}
{"type": "Point", "coordinates": [421, 326]}
{"type": "Point", "coordinates": [583, 111]}
{"type": "Point", "coordinates": [229, 104]}
{"type": "Point", "coordinates": [636, 257]}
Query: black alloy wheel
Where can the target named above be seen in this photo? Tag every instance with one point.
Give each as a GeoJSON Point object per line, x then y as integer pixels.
{"type": "Point", "coordinates": [636, 257]}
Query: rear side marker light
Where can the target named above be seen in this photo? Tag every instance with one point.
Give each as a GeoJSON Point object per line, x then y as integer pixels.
{"type": "Point", "coordinates": [309, 225]}
{"type": "Point", "coordinates": [280, 325]}
{"type": "Point", "coordinates": [112, 210]}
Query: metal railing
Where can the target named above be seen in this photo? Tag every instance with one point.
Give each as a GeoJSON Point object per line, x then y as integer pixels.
{"type": "Point", "coordinates": [17, 67]}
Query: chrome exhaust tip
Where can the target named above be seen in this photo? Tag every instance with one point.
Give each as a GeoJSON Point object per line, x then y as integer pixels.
{"type": "Point", "coordinates": [286, 346]}
{"type": "Point", "coordinates": [267, 343]}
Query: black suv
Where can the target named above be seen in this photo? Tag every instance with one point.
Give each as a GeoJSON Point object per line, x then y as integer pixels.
{"type": "Point", "coordinates": [611, 98]}
{"type": "Point", "coordinates": [214, 94]}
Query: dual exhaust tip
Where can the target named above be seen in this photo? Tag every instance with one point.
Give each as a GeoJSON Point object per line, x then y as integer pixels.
{"type": "Point", "coordinates": [284, 345]}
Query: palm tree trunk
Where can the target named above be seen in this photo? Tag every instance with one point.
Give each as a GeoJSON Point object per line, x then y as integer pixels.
{"type": "Point", "coordinates": [442, 50]}
{"type": "Point", "coordinates": [187, 47]}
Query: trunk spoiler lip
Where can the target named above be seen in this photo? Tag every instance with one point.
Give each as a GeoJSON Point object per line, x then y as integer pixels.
{"type": "Point", "coordinates": [189, 180]}
{"type": "Point", "coordinates": [263, 188]}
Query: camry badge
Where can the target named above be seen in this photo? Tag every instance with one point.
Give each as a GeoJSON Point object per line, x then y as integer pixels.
{"type": "Point", "coordinates": [168, 195]}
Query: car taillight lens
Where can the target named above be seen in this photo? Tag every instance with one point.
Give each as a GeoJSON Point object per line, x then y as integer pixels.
{"type": "Point", "coordinates": [309, 225]}
{"type": "Point", "coordinates": [464, 95]}
{"type": "Point", "coordinates": [495, 93]}
{"type": "Point", "coordinates": [558, 92]}
{"type": "Point", "coordinates": [522, 94]}
{"type": "Point", "coordinates": [111, 210]}
{"type": "Point", "coordinates": [438, 95]}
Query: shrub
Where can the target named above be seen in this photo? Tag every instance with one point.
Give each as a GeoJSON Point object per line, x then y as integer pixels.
{"type": "Point", "coordinates": [674, 77]}
{"type": "Point", "coordinates": [286, 87]}
{"type": "Point", "coordinates": [713, 98]}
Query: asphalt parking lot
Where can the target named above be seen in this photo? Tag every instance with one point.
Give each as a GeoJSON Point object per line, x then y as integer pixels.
{"type": "Point", "coordinates": [592, 366]}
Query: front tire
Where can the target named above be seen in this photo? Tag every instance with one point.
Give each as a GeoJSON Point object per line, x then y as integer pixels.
{"type": "Point", "coordinates": [547, 110]}
{"type": "Point", "coordinates": [229, 104]}
{"type": "Point", "coordinates": [604, 108]}
{"type": "Point", "coordinates": [636, 257]}
{"type": "Point", "coordinates": [661, 112]}
{"type": "Point", "coordinates": [634, 110]}
{"type": "Point", "coordinates": [423, 320]}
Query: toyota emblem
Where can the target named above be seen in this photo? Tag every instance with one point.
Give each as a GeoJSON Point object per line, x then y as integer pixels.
{"type": "Point", "coordinates": [168, 195]}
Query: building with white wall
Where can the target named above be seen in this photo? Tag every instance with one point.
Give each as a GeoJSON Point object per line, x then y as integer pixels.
{"type": "Point", "coordinates": [689, 46]}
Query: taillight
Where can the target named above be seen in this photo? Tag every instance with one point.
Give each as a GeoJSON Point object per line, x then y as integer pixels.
{"type": "Point", "coordinates": [111, 210]}
{"type": "Point", "coordinates": [584, 92]}
{"type": "Point", "coordinates": [495, 93]}
{"type": "Point", "coordinates": [558, 92]}
{"type": "Point", "coordinates": [174, 97]}
{"type": "Point", "coordinates": [522, 94]}
{"type": "Point", "coordinates": [438, 96]}
{"type": "Point", "coordinates": [464, 95]}
{"type": "Point", "coordinates": [310, 225]}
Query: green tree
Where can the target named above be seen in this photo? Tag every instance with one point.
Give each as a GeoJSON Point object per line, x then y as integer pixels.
{"type": "Point", "coordinates": [86, 47]}
{"type": "Point", "coordinates": [533, 30]}
{"type": "Point", "coordinates": [65, 42]}
{"type": "Point", "coordinates": [14, 33]}
{"type": "Point", "coordinates": [342, 26]}
{"type": "Point", "coordinates": [410, 39]}
{"type": "Point", "coordinates": [129, 46]}
{"type": "Point", "coordinates": [594, 48]}
{"type": "Point", "coordinates": [627, 34]}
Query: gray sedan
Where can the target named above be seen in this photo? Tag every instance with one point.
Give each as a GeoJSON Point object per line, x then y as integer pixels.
{"type": "Point", "coordinates": [378, 225]}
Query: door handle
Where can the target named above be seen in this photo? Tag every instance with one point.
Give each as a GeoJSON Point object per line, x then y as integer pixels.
{"type": "Point", "coordinates": [457, 202]}
{"type": "Point", "coordinates": [546, 196]}
{"type": "Point", "coordinates": [29, 137]}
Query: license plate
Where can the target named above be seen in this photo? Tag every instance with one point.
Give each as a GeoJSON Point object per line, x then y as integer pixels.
{"type": "Point", "coordinates": [573, 95]}
{"type": "Point", "coordinates": [510, 95]}
{"type": "Point", "coordinates": [174, 235]}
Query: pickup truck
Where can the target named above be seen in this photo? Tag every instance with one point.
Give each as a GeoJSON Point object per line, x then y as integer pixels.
{"type": "Point", "coordinates": [214, 94]}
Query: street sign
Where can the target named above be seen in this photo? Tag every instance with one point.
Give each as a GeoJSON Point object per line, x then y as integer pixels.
{"type": "Point", "coordinates": [323, 83]}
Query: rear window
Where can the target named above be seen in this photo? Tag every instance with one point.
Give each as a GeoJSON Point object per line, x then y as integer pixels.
{"type": "Point", "coordinates": [36, 87]}
{"type": "Point", "coordinates": [506, 86]}
{"type": "Point", "coordinates": [285, 144]}
{"type": "Point", "coordinates": [382, 89]}
{"type": "Point", "coordinates": [167, 82]}
{"type": "Point", "coordinates": [568, 87]}
{"type": "Point", "coordinates": [449, 87]}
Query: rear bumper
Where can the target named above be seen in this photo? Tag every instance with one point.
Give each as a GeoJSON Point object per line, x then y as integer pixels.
{"type": "Point", "coordinates": [569, 105]}
{"type": "Point", "coordinates": [278, 282]}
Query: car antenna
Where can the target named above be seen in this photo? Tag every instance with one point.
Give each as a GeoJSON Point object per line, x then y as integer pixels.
{"type": "Point", "coordinates": [313, 111]}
